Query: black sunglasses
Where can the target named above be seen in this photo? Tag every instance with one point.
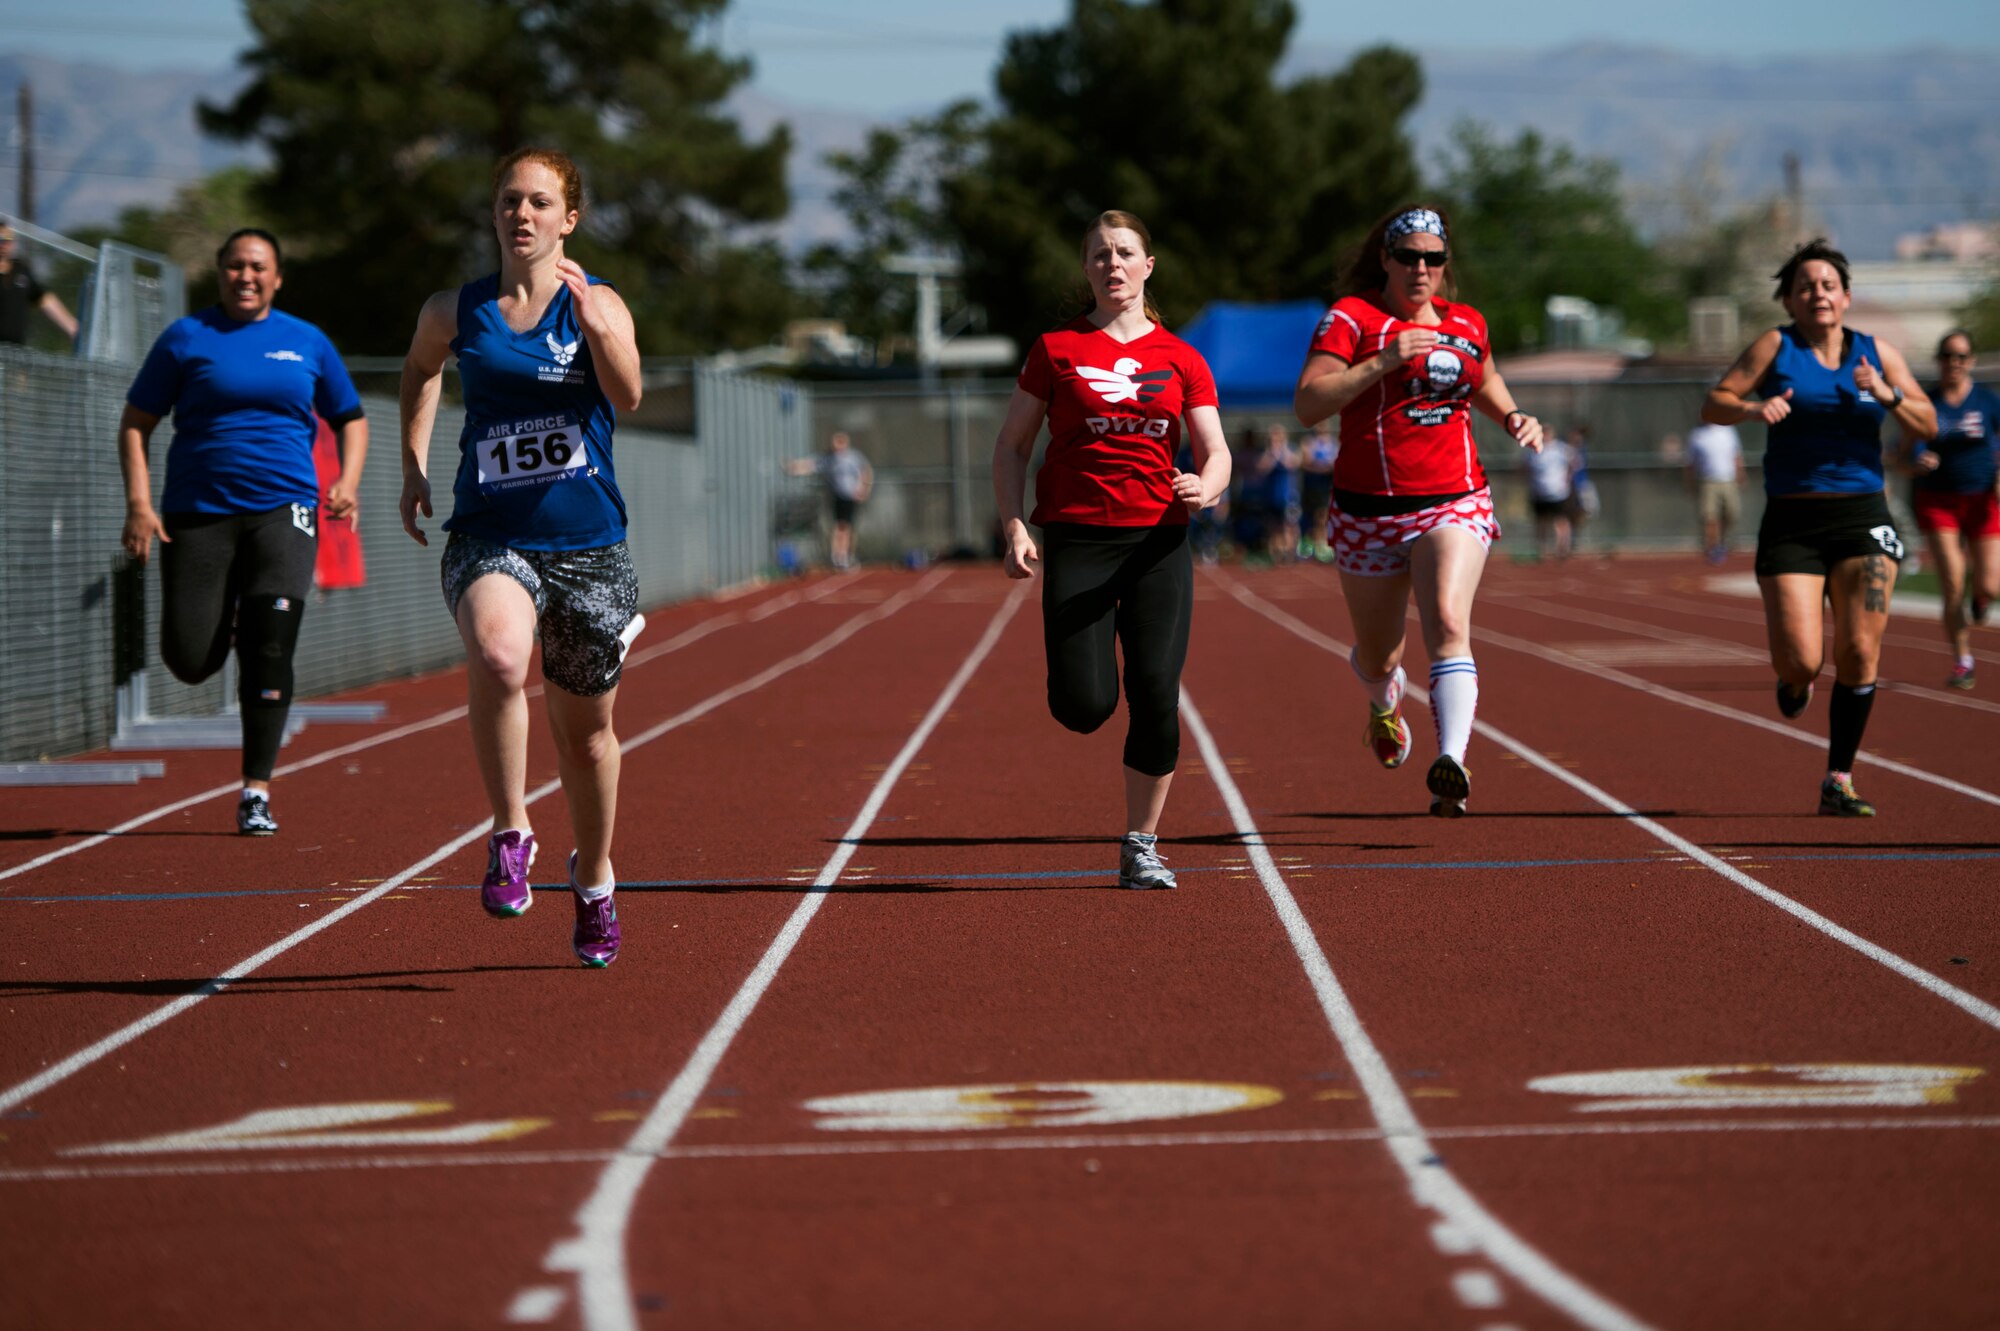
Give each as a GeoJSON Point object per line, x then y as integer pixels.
{"type": "Point", "coordinates": [1954, 355]}
{"type": "Point", "coordinates": [1410, 258]}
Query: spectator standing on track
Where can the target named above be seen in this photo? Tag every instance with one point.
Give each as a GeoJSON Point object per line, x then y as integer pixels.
{"type": "Point", "coordinates": [1956, 496]}
{"type": "Point", "coordinates": [1552, 495]}
{"type": "Point", "coordinates": [547, 359]}
{"type": "Point", "coordinates": [238, 525]}
{"type": "Point", "coordinates": [1715, 472]}
{"type": "Point", "coordinates": [1824, 390]}
{"type": "Point", "coordinates": [1403, 365]}
{"type": "Point", "coordinates": [20, 293]}
{"type": "Point", "coordinates": [849, 479]}
{"type": "Point", "coordinates": [1317, 453]}
{"type": "Point", "coordinates": [1114, 386]}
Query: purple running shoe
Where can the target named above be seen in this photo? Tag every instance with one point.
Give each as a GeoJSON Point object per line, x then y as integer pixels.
{"type": "Point", "coordinates": [596, 935]}
{"type": "Point", "coordinates": [504, 891]}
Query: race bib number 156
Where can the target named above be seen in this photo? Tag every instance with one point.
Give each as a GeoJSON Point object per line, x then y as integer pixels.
{"type": "Point", "coordinates": [553, 450]}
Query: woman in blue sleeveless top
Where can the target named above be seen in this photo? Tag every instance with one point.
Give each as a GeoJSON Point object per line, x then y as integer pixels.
{"type": "Point", "coordinates": [546, 357]}
{"type": "Point", "coordinates": [1824, 390]}
{"type": "Point", "coordinates": [1956, 495]}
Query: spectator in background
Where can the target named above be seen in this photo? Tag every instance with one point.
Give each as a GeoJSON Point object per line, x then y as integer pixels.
{"type": "Point", "coordinates": [1317, 453]}
{"type": "Point", "coordinates": [1552, 495]}
{"type": "Point", "coordinates": [849, 478]}
{"type": "Point", "coordinates": [1954, 495]}
{"type": "Point", "coordinates": [1715, 474]}
{"type": "Point", "coordinates": [1584, 504]}
{"type": "Point", "coordinates": [20, 293]}
{"type": "Point", "coordinates": [1275, 476]}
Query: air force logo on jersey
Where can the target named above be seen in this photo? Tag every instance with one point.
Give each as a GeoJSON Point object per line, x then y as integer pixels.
{"type": "Point", "coordinates": [563, 371]}
{"type": "Point", "coordinates": [1123, 382]}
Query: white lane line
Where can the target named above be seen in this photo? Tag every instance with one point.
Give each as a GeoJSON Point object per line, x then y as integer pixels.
{"type": "Point", "coordinates": [118, 1039]}
{"type": "Point", "coordinates": [1721, 649]}
{"type": "Point", "coordinates": [1448, 1237]}
{"type": "Point", "coordinates": [1661, 691]}
{"type": "Point", "coordinates": [690, 635]}
{"type": "Point", "coordinates": [1978, 1008]}
{"type": "Point", "coordinates": [596, 1253]}
{"type": "Point", "coordinates": [1432, 1184]}
{"type": "Point", "coordinates": [536, 1304]}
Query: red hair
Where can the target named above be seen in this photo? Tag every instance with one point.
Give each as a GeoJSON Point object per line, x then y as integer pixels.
{"type": "Point", "coordinates": [558, 162]}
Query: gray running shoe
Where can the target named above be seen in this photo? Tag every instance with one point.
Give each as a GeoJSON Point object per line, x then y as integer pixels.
{"type": "Point", "coordinates": [1139, 862]}
{"type": "Point", "coordinates": [253, 817]}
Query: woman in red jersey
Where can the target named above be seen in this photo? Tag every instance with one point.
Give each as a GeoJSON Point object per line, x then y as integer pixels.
{"type": "Point", "coordinates": [1114, 386]}
{"type": "Point", "coordinates": [1403, 365]}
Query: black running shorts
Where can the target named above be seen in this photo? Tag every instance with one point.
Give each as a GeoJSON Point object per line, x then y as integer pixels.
{"type": "Point", "coordinates": [1811, 534]}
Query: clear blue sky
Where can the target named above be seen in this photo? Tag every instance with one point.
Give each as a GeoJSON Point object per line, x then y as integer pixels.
{"type": "Point", "coordinates": [892, 56]}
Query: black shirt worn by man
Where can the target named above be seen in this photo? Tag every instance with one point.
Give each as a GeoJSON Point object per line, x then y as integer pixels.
{"type": "Point", "coordinates": [20, 296]}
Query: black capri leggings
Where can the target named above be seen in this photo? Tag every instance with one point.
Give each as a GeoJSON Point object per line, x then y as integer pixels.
{"type": "Point", "coordinates": [1134, 583]}
{"type": "Point", "coordinates": [241, 577]}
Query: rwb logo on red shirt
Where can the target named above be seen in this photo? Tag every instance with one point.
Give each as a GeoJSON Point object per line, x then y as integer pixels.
{"type": "Point", "coordinates": [1123, 382]}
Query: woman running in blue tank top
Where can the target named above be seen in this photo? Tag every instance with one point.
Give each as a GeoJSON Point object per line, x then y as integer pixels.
{"type": "Point", "coordinates": [546, 356]}
{"type": "Point", "coordinates": [1824, 391]}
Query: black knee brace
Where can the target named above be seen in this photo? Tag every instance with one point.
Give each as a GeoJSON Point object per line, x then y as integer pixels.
{"type": "Point", "coordinates": [267, 633]}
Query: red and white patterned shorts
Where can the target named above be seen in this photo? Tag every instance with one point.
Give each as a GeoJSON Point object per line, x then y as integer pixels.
{"type": "Point", "coordinates": [1380, 547]}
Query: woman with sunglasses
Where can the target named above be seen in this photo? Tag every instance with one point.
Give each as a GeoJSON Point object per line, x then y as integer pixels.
{"type": "Point", "coordinates": [1956, 495]}
{"type": "Point", "coordinates": [1404, 365]}
{"type": "Point", "coordinates": [1823, 390]}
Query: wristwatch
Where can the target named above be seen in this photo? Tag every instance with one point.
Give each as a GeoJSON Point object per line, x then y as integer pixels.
{"type": "Point", "coordinates": [1897, 400]}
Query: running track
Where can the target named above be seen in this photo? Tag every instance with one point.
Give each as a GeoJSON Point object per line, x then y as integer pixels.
{"type": "Point", "coordinates": [1643, 1043]}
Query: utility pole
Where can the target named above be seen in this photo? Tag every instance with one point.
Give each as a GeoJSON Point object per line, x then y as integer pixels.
{"type": "Point", "coordinates": [26, 104]}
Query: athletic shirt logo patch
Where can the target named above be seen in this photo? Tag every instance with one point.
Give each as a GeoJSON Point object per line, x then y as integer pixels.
{"type": "Point", "coordinates": [1123, 382]}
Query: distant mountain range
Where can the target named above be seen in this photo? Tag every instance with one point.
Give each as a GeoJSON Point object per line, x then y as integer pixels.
{"type": "Point", "coordinates": [1887, 143]}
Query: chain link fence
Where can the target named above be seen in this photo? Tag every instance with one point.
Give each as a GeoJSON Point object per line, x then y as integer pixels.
{"type": "Point", "coordinates": [932, 450]}
{"type": "Point", "coordinates": [77, 619]}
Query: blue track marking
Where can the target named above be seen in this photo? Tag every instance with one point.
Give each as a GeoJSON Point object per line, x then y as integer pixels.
{"type": "Point", "coordinates": [777, 881]}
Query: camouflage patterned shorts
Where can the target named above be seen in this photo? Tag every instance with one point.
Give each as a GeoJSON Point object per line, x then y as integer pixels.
{"type": "Point", "coordinates": [586, 603]}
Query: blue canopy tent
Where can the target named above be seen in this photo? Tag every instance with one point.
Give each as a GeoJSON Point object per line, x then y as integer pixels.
{"type": "Point", "coordinates": [1255, 351]}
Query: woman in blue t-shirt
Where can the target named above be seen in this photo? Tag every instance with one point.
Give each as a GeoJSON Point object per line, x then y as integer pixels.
{"type": "Point", "coordinates": [546, 357]}
{"type": "Point", "coordinates": [1824, 390]}
{"type": "Point", "coordinates": [238, 522]}
{"type": "Point", "coordinates": [1956, 495]}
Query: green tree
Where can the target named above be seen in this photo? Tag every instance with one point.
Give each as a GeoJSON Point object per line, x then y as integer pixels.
{"type": "Point", "coordinates": [1980, 317]}
{"type": "Point", "coordinates": [191, 226]}
{"type": "Point", "coordinates": [1530, 221]}
{"type": "Point", "coordinates": [384, 119]}
{"type": "Point", "coordinates": [892, 196]}
{"type": "Point", "coordinates": [1172, 110]}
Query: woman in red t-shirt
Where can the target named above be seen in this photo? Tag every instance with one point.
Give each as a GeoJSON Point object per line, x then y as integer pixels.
{"type": "Point", "coordinates": [1113, 509]}
{"type": "Point", "coordinates": [1403, 365]}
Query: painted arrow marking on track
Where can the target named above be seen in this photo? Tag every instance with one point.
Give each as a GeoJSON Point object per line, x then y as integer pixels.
{"type": "Point", "coordinates": [307, 1126]}
{"type": "Point", "coordinates": [159, 1016]}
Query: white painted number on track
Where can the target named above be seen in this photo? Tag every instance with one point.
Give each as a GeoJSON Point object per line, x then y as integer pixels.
{"type": "Point", "coordinates": [306, 1126]}
{"type": "Point", "coordinates": [1034, 1104]}
{"type": "Point", "coordinates": [1763, 1086]}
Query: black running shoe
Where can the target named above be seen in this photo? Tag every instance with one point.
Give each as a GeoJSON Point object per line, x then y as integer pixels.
{"type": "Point", "coordinates": [1791, 704]}
{"type": "Point", "coordinates": [1449, 785]}
{"type": "Point", "coordinates": [1838, 800]}
{"type": "Point", "coordinates": [253, 816]}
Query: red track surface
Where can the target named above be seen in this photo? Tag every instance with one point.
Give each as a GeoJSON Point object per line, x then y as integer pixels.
{"type": "Point", "coordinates": [973, 940]}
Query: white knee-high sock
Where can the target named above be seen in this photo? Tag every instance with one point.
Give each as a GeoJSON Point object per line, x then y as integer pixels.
{"type": "Point", "coordinates": [1385, 692]}
{"type": "Point", "coordinates": [1454, 698]}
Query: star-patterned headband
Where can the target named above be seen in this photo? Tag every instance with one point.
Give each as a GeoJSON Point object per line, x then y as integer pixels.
{"type": "Point", "coordinates": [1412, 222]}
